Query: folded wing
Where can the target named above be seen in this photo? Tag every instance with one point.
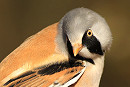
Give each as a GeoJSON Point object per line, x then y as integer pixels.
{"type": "Point", "coordinates": [52, 75]}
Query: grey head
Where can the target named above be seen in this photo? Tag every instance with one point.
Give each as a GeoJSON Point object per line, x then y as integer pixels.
{"type": "Point", "coordinates": [86, 31]}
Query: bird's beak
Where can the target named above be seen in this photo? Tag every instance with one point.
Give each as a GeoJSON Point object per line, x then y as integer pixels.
{"type": "Point", "coordinates": [76, 48]}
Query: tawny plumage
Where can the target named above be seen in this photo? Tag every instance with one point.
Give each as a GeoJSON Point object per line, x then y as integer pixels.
{"type": "Point", "coordinates": [67, 53]}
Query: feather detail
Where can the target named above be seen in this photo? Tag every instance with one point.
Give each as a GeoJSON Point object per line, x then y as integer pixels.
{"type": "Point", "coordinates": [53, 75]}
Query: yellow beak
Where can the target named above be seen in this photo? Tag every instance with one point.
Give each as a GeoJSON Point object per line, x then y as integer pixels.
{"type": "Point", "coordinates": [76, 48]}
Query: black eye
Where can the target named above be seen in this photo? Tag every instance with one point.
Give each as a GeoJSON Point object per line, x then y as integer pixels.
{"type": "Point", "coordinates": [89, 33]}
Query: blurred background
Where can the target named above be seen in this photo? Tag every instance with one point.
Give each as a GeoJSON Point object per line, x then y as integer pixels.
{"type": "Point", "coordinates": [20, 19]}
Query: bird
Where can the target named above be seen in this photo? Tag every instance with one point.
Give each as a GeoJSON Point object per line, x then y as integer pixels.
{"type": "Point", "coordinates": [69, 53]}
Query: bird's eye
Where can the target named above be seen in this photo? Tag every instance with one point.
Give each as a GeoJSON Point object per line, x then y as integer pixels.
{"type": "Point", "coordinates": [89, 33]}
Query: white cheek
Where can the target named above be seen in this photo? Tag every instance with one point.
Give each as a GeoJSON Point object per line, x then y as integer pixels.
{"type": "Point", "coordinates": [85, 53]}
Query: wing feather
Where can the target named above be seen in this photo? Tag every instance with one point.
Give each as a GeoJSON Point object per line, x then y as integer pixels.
{"type": "Point", "coordinates": [59, 74]}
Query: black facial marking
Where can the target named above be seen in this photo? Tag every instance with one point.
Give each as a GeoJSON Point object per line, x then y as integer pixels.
{"type": "Point", "coordinates": [92, 44]}
{"type": "Point", "coordinates": [70, 49]}
{"type": "Point", "coordinates": [78, 57]}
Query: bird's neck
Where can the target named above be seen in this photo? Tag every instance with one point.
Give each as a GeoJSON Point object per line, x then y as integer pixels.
{"type": "Point", "coordinates": [92, 74]}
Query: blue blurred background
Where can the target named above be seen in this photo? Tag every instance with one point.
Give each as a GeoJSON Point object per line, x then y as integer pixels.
{"type": "Point", "coordinates": [20, 19]}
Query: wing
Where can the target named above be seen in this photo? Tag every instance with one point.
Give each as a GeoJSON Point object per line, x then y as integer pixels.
{"type": "Point", "coordinates": [54, 75]}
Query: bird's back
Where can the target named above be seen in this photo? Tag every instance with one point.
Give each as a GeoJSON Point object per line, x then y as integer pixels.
{"type": "Point", "coordinates": [37, 50]}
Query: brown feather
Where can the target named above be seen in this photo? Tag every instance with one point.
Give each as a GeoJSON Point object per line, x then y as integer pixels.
{"type": "Point", "coordinates": [37, 78]}
{"type": "Point", "coordinates": [32, 53]}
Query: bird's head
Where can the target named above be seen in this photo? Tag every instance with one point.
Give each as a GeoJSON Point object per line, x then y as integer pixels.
{"type": "Point", "coordinates": [86, 31]}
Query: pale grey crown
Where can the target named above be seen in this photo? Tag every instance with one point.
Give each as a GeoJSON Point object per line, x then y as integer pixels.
{"type": "Point", "coordinates": [79, 20]}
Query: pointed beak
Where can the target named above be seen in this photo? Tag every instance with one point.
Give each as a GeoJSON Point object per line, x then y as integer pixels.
{"type": "Point", "coordinates": [77, 48]}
